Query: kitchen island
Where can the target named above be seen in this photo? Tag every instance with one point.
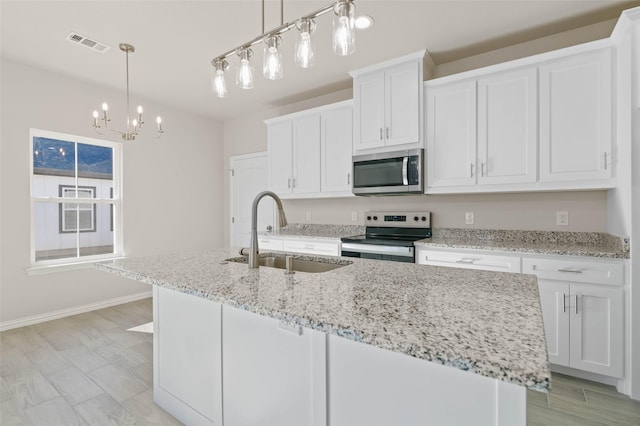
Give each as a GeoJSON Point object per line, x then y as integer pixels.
{"type": "Point", "coordinates": [371, 342]}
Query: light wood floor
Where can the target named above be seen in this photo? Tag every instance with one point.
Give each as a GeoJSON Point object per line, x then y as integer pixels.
{"type": "Point", "coordinates": [89, 370]}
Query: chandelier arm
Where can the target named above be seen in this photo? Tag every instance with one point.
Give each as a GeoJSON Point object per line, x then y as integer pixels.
{"type": "Point", "coordinates": [281, 29]}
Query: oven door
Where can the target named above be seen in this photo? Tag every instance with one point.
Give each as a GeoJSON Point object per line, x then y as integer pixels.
{"type": "Point", "coordinates": [397, 172]}
{"type": "Point", "coordinates": [379, 252]}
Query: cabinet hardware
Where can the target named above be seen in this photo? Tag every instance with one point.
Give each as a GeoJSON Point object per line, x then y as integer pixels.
{"type": "Point", "coordinates": [564, 303]}
{"type": "Point", "coordinates": [467, 260]}
{"type": "Point", "coordinates": [387, 133]}
{"type": "Point", "coordinates": [605, 161]}
{"type": "Point", "coordinates": [348, 178]}
{"type": "Point", "coordinates": [576, 304]}
{"type": "Point", "coordinates": [405, 171]}
{"type": "Point", "coordinates": [289, 183]}
{"type": "Point", "coordinates": [482, 169]}
{"type": "Point", "coordinates": [570, 270]}
{"type": "Point", "coordinates": [471, 168]}
{"type": "Point", "coordinates": [293, 182]}
{"type": "Point", "coordinates": [380, 133]}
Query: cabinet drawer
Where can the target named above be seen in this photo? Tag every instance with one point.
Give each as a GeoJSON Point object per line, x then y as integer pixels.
{"type": "Point", "coordinates": [485, 262]}
{"type": "Point", "coordinates": [269, 244]}
{"type": "Point", "coordinates": [329, 248]}
{"type": "Point", "coordinates": [581, 271]}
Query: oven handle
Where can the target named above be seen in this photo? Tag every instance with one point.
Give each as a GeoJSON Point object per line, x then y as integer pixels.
{"type": "Point", "coordinates": [405, 171]}
{"type": "Point", "coordinates": [378, 249]}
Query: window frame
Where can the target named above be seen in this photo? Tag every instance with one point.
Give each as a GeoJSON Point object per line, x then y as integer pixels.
{"type": "Point", "coordinates": [50, 265]}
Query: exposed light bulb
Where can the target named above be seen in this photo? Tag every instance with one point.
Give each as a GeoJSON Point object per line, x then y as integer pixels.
{"type": "Point", "coordinates": [219, 84]}
{"type": "Point", "coordinates": [305, 44]}
{"type": "Point", "coordinates": [344, 29]}
{"type": "Point", "coordinates": [105, 107]}
{"type": "Point", "coordinates": [95, 114]}
{"type": "Point", "coordinates": [244, 73]}
{"type": "Point", "coordinates": [272, 59]}
{"type": "Point", "coordinates": [139, 109]}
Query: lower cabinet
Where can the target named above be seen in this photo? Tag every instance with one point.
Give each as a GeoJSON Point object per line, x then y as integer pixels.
{"type": "Point", "coordinates": [583, 322]}
{"type": "Point", "coordinates": [300, 245]}
{"type": "Point", "coordinates": [187, 362]}
{"type": "Point", "coordinates": [273, 372]}
{"type": "Point", "coordinates": [468, 260]}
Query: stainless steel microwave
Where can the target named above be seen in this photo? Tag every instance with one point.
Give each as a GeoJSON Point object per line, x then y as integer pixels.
{"type": "Point", "coordinates": [389, 173]}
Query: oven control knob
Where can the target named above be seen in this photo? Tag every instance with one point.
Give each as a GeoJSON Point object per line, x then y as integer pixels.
{"type": "Point", "coordinates": [424, 218]}
{"type": "Point", "coordinates": [368, 217]}
{"type": "Point", "coordinates": [375, 218]}
{"type": "Point", "coordinates": [415, 218]}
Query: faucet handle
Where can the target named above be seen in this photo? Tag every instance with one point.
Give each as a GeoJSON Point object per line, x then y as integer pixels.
{"type": "Point", "coordinates": [269, 228]}
{"type": "Point", "coordinates": [244, 251]}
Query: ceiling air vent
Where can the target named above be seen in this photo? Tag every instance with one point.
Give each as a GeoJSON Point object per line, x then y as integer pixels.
{"type": "Point", "coordinates": [87, 42]}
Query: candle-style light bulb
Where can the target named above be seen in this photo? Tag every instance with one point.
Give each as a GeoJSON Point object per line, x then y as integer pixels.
{"type": "Point", "coordinates": [159, 122]}
{"type": "Point", "coordinates": [105, 107]}
{"type": "Point", "coordinates": [95, 118]}
{"type": "Point", "coordinates": [139, 109]}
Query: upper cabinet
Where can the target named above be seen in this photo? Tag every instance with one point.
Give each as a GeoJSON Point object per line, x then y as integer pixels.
{"type": "Point", "coordinates": [575, 117]}
{"type": "Point", "coordinates": [310, 152]}
{"type": "Point", "coordinates": [387, 103]}
{"type": "Point", "coordinates": [545, 125]}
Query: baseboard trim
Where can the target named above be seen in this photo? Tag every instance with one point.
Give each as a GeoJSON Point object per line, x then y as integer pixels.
{"type": "Point", "coordinates": [36, 319]}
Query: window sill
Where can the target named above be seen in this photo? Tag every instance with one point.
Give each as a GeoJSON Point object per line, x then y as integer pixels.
{"type": "Point", "coordinates": [67, 266]}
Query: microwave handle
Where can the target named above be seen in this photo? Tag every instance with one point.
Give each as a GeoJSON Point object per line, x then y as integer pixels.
{"type": "Point", "coordinates": [405, 171]}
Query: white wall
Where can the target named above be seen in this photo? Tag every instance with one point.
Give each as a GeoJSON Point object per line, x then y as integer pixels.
{"type": "Point", "coordinates": [171, 197]}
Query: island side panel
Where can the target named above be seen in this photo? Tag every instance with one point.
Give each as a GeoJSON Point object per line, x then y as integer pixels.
{"type": "Point", "coordinates": [187, 368]}
{"type": "Point", "coordinates": [372, 386]}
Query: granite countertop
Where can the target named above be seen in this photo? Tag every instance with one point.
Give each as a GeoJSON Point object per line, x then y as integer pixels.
{"type": "Point", "coordinates": [487, 323]}
{"type": "Point", "coordinates": [592, 244]}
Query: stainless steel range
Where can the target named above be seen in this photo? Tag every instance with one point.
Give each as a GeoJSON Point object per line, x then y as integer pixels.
{"type": "Point", "coordinates": [389, 236]}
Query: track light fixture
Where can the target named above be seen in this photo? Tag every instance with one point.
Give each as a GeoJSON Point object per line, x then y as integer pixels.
{"type": "Point", "coordinates": [344, 36]}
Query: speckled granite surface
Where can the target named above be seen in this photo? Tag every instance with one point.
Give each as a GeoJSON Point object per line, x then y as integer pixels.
{"type": "Point", "coordinates": [316, 231]}
{"type": "Point", "coordinates": [488, 323]}
{"type": "Point", "coordinates": [593, 244]}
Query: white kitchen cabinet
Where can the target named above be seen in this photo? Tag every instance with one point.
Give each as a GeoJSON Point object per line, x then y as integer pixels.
{"type": "Point", "coordinates": [576, 117]}
{"type": "Point", "coordinates": [369, 386]}
{"type": "Point", "coordinates": [451, 135]}
{"type": "Point", "coordinates": [323, 248]}
{"type": "Point", "coordinates": [583, 312]}
{"type": "Point", "coordinates": [507, 127]}
{"type": "Point", "coordinates": [482, 132]}
{"type": "Point", "coordinates": [265, 243]}
{"type": "Point", "coordinates": [468, 260]}
{"type": "Point", "coordinates": [187, 333]}
{"type": "Point", "coordinates": [274, 372]}
{"type": "Point", "coordinates": [336, 136]}
{"type": "Point", "coordinates": [310, 152]}
{"type": "Point", "coordinates": [388, 105]}
{"type": "Point", "coordinates": [294, 155]}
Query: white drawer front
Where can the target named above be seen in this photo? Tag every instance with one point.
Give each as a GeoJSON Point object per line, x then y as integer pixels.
{"type": "Point", "coordinates": [269, 244]}
{"type": "Point", "coordinates": [470, 260]}
{"type": "Point", "coordinates": [580, 271]}
{"type": "Point", "coordinates": [312, 247]}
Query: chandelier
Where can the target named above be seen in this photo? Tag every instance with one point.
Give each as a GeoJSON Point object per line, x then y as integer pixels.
{"type": "Point", "coordinates": [344, 37]}
{"type": "Point", "coordinates": [133, 125]}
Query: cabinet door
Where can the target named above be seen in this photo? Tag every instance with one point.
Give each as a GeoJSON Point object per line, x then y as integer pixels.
{"type": "Point", "coordinates": [336, 137]}
{"type": "Point", "coordinates": [187, 334]}
{"type": "Point", "coordinates": [596, 329]}
{"type": "Point", "coordinates": [280, 145]}
{"type": "Point", "coordinates": [403, 86]}
{"type": "Point", "coordinates": [575, 117]}
{"type": "Point", "coordinates": [368, 98]}
{"type": "Point", "coordinates": [555, 303]}
{"type": "Point", "coordinates": [508, 127]}
{"type": "Point", "coordinates": [274, 374]}
{"type": "Point", "coordinates": [306, 154]}
{"type": "Point", "coordinates": [451, 135]}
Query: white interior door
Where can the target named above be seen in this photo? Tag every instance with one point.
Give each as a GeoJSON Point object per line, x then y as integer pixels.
{"type": "Point", "coordinates": [249, 177]}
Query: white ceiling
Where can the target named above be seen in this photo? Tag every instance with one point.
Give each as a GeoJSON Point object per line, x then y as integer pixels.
{"type": "Point", "coordinates": [176, 40]}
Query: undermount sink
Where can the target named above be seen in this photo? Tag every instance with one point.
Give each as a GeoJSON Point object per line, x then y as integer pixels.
{"type": "Point", "coordinates": [299, 264]}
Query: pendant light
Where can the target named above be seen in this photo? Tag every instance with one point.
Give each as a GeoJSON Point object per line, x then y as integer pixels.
{"type": "Point", "coordinates": [305, 48]}
{"type": "Point", "coordinates": [219, 85]}
{"type": "Point", "coordinates": [344, 31]}
{"type": "Point", "coordinates": [244, 70]}
{"type": "Point", "coordinates": [272, 58]}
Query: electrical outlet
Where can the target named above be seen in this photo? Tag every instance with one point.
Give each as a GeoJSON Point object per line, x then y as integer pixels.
{"type": "Point", "coordinates": [308, 216]}
{"type": "Point", "coordinates": [354, 216]}
{"type": "Point", "coordinates": [562, 218]}
{"type": "Point", "coordinates": [468, 218]}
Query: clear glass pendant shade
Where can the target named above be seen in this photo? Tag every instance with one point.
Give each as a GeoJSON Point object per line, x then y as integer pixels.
{"type": "Point", "coordinates": [305, 47]}
{"type": "Point", "coordinates": [218, 82]}
{"type": "Point", "coordinates": [244, 70]}
{"type": "Point", "coordinates": [272, 58]}
{"type": "Point", "coordinates": [344, 31]}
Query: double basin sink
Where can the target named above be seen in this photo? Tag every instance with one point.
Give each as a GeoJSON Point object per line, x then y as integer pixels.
{"type": "Point", "coordinates": [297, 263]}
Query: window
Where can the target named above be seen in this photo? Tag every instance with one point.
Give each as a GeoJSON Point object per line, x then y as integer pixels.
{"type": "Point", "coordinates": [78, 217]}
{"type": "Point", "coordinates": [75, 199]}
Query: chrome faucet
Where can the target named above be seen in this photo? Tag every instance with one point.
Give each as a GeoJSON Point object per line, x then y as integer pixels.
{"type": "Point", "coordinates": [282, 221]}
